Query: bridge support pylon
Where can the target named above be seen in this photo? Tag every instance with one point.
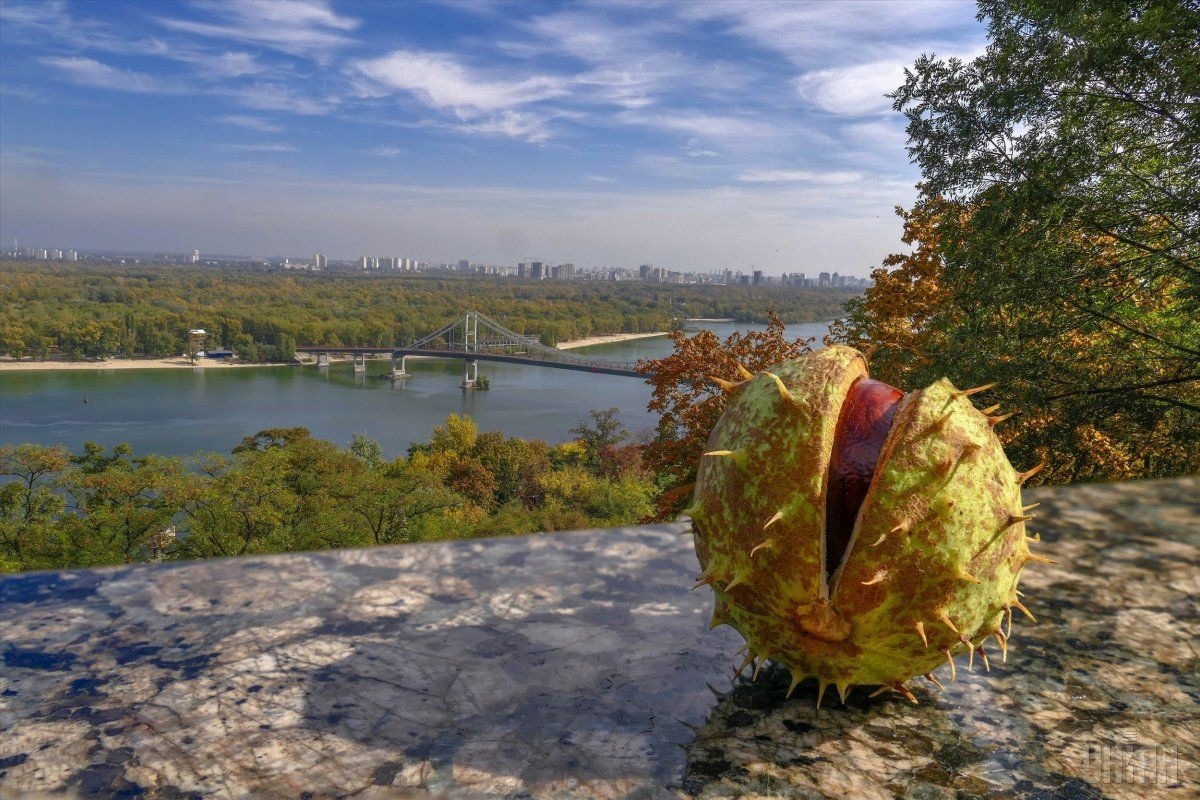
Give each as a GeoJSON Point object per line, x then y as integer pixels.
{"type": "Point", "coordinates": [360, 362]}
{"type": "Point", "coordinates": [322, 359]}
{"type": "Point", "coordinates": [470, 374]}
{"type": "Point", "coordinates": [400, 368]}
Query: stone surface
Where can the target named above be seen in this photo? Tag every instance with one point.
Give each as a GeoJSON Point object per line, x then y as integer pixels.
{"type": "Point", "coordinates": [579, 665]}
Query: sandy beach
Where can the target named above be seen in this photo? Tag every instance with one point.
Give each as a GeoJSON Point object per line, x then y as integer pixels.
{"type": "Point", "coordinates": [609, 339]}
{"type": "Point", "coordinates": [7, 364]}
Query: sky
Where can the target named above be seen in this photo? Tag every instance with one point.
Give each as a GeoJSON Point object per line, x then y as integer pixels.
{"type": "Point", "coordinates": [696, 136]}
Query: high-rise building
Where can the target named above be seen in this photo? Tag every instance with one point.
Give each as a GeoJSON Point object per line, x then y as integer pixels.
{"type": "Point", "coordinates": [195, 256]}
{"type": "Point", "coordinates": [364, 262]}
{"type": "Point", "coordinates": [464, 265]}
{"type": "Point", "coordinates": [758, 277]}
{"type": "Point", "coordinates": [537, 270]}
{"type": "Point", "coordinates": [72, 255]}
{"type": "Point", "coordinates": [320, 260]}
{"type": "Point", "coordinates": [823, 279]}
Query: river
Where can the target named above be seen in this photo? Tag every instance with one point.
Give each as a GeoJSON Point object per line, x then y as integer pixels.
{"type": "Point", "coordinates": [180, 412]}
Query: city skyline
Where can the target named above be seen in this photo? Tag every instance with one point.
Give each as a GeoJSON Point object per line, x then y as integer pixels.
{"type": "Point", "coordinates": [695, 136]}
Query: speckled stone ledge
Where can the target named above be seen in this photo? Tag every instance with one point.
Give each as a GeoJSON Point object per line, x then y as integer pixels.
{"type": "Point", "coordinates": [579, 665]}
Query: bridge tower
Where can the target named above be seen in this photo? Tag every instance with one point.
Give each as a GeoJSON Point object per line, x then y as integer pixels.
{"type": "Point", "coordinates": [470, 345]}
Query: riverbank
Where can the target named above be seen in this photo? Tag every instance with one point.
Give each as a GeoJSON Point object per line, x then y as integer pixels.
{"type": "Point", "coordinates": [7, 364]}
{"type": "Point", "coordinates": [609, 339]}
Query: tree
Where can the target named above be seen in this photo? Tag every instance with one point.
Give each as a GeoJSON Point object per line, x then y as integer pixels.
{"type": "Point", "coordinates": [689, 402]}
{"type": "Point", "coordinates": [1061, 188]}
{"type": "Point", "coordinates": [16, 339]}
{"type": "Point", "coordinates": [905, 314]}
{"type": "Point", "coordinates": [395, 503]}
{"type": "Point", "coordinates": [29, 506]}
{"type": "Point", "coordinates": [271, 438]}
{"type": "Point", "coordinates": [600, 435]}
{"type": "Point", "coordinates": [367, 449]}
{"type": "Point", "coordinates": [121, 504]}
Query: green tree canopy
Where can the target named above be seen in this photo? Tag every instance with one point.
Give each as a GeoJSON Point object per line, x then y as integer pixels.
{"type": "Point", "coordinates": [1061, 205]}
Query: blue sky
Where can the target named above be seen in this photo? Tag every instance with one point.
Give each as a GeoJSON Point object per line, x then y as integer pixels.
{"type": "Point", "coordinates": [694, 135]}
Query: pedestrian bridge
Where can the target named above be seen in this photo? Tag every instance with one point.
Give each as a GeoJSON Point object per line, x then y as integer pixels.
{"type": "Point", "coordinates": [472, 338]}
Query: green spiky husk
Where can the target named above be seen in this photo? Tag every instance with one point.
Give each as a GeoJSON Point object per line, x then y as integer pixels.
{"type": "Point", "coordinates": [938, 546]}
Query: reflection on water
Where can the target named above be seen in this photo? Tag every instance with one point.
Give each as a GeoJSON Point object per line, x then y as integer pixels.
{"type": "Point", "coordinates": [178, 412]}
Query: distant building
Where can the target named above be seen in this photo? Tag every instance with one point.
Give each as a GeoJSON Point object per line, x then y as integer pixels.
{"type": "Point", "coordinates": [320, 260]}
{"type": "Point", "coordinates": [823, 279]}
{"type": "Point", "coordinates": [537, 270]}
{"type": "Point", "coordinates": [758, 277]}
{"type": "Point", "coordinates": [195, 256]}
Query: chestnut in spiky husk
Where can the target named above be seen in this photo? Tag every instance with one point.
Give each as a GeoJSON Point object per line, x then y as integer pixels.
{"type": "Point", "coordinates": [854, 533]}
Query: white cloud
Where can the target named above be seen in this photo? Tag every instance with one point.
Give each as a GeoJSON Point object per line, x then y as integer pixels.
{"type": "Point", "coordinates": [522, 125]}
{"type": "Point", "coordinates": [601, 179]}
{"type": "Point", "coordinates": [278, 97]}
{"type": "Point", "coordinates": [797, 176]}
{"type": "Point", "coordinates": [298, 27]}
{"type": "Point", "coordinates": [858, 90]}
{"type": "Point", "coordinates": [440, 82]}
{"type": "Point", "coordinates": [251, 123]}
{"type": "Point", "coordinates": [386, 151]}
{"type": "Point", "coordinates": [90, 72]}
{"type": "Point", "coordinates": [234, 65]}
{"type": "Point", "coordinates": [699, 124]}
{"type": "Point", "coordinates": [811, 34]}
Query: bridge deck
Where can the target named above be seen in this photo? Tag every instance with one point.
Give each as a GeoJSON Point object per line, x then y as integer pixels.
{"type": "Point", "coordinates": [597, 367]}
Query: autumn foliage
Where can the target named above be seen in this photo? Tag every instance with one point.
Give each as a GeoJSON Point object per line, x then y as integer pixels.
{"type": "Point", "coordinates": [690, 402]}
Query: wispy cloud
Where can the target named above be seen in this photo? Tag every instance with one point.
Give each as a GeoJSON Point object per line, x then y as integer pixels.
{"type": "Point", "coordinates": [299, 27]}
{"type": "Point", "coordinates": [208, 65]}
{"type": "Point", "coordinates": [260, 147]}
{"type": "Point", "coordinates": [90, 72]}
{"type": "Point", "coordinates": [797, 176]}
{"type": "Point", "coordinates": [440, 82]}
{"type": "Point", "coordinates": [251, 123]}
{"type": "Point", "coordinates": [280, 97]}
{"type": "Point", "coordinates": [386, 151]}
{"type": "Point", "coordinates": [699, 124]}
{"type": "Point", "coordinates": [811, 34]}
{"type": "Point", "coordinates": [528, 126]}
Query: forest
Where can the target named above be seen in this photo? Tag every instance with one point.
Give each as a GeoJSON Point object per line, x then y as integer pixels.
{"type": "Point", "coordinates": [98, 310]}
{"type": "Point", "coordinates": [281, 490]}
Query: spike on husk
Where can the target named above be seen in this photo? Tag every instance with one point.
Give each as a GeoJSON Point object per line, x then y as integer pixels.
{"type": "Point", "coordinates": [885, 515]}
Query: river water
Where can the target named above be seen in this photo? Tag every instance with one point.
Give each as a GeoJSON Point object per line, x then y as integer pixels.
{"type": "Point", "coordinates": [180, 411]}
